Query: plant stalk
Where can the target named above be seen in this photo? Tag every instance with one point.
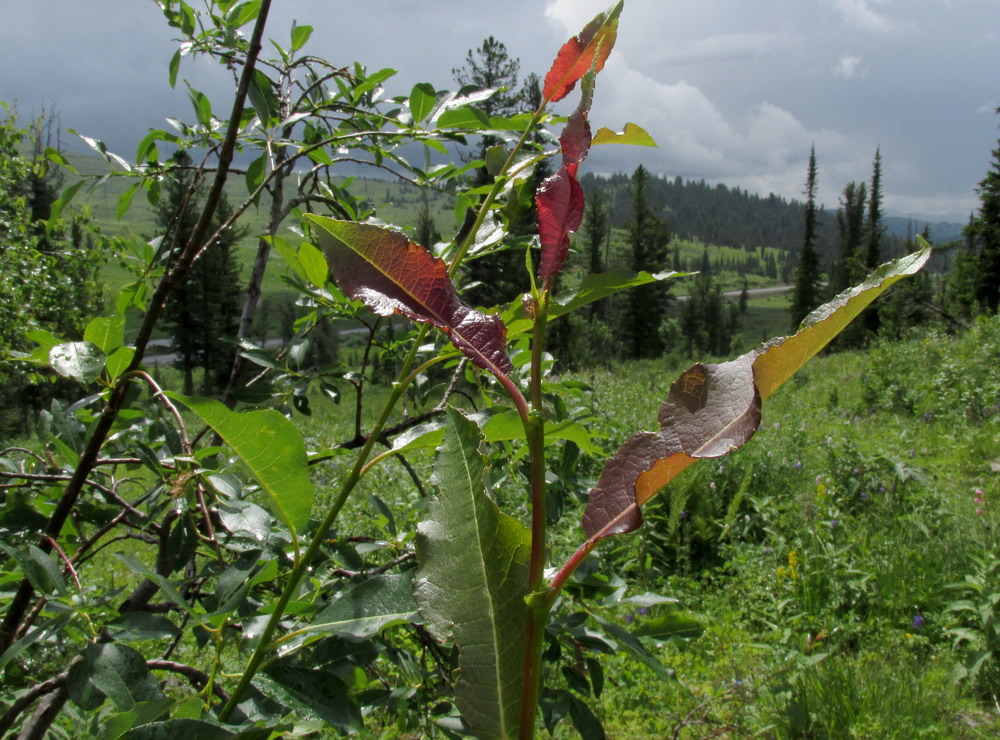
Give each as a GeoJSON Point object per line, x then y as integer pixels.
{"type": "Point", "coordinates": [264, 645]}
{"type": "Point", "coordinates": [538, 609]}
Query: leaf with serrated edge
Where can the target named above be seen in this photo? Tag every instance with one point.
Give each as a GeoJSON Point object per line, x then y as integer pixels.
{"type": "Point", "coordinates": [714, 409]}
{"type": "Point", "coordinates": [273, 450]}
{"type": "Point", "coordinates": [581, 53]}
{"type": "Point", "coordinates": [472, 582]}
{"type": "Point", "coordinates": [391, 274]}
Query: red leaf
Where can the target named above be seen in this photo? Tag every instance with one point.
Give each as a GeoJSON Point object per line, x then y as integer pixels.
{"type": "Point", "coordinates": [714, 409]}
{"type": "Point", "coordinates": [391, 274]}
{"type": "Point", "coordinates": [575, 140]}
{"type": "Point", "coordinates": [710, 411]}
{"type": "Point", "coordinates": [559, 203]}
{"type": "Point", "coordinates": [590, 49]}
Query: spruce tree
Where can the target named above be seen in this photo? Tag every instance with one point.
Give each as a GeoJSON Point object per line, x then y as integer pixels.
{"type": "Point", "coordinates": [985, 232]}
{"type": "Point", "coordinates": [850, 226]}
{"type": "Point", "coordinates": [205, 307]}
{"type": "Point", "coordinates": [874, 236]}
{"type": "Point", "coordinates": [498, 277]}
{"type": "Point", "coordinates": [806, 296]}
{"type": "Point", "coordinates": [646, 304]}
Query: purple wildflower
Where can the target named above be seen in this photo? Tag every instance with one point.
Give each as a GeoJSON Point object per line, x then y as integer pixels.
{"type": "Point", "coordinates": [918, 622]}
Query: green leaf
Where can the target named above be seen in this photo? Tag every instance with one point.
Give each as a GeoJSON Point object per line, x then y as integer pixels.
{"type": "Point", "coordinates": [106, 333]}
{"type": "Point", "coordinates": [175, 65]}
{"type": "Point", "coordinates": [125, 200]}
{"type": "Point", "coordinates": [82, 361]}
{"type": "Point", "coordinates": [370, 607]}
{"type": "Point", "coordinates": [255, 172]}
{"type": "Point", "coordinates": [38, 567]}
{"type": "Point", "coordinates": [300, 35]}
{"type": "Point", "coordinates": [120, 673]}
{"type": "Point", "coordinates": [245, 13]}
{"type": "Point", "coordinates": [178, 729]}
{"type": "Point", "coordinates": [315, 693]}
{"type": "Point", "coordinates": [64, 200]}
{"type": "Point", "coordinates": [632, 134]}
{"type": "Point", "coordinates": [671, 625]}
{"type": "Point", "coordinates": [142, 713]}
{"type": "Point", "coordinates": [202, 105]}
{"type": "Point", "coordinates": [138, 626]}
{"type": "Point", "coordinates": [466, 117]}
{"type": "Point", "coordinates": [423, 98]}
{"type": "Point", "coordinates": [472, 582]}
{"type": "Point", "coordinates": [271, 447]}
{"type": "Point", "coordinates": [288, 253]}
{"type": "Point", "coordinates": [314, 264]}
{"type": "Point", "coordinates": [118, 360]}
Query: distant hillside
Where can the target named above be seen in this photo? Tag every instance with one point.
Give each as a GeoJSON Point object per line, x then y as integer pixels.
{"type": "Point", "coordinates": [733, 217]}
{"type": "Point", "coordinates": [942, 232]}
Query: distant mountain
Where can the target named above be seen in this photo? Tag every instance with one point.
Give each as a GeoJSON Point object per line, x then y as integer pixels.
{"type": "Point", "coordinates": [942, 232]}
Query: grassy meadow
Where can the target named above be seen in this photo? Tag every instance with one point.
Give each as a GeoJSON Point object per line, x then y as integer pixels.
{"type": "Point", "coordinates": [838, 575]}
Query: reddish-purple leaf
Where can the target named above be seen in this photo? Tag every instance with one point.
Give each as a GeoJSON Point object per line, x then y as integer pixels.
{"type": "Point", "coordinates": [581, 53]}
{"type": "Point", "coordinates": [575, 139]}
{"type": "Point", "coordinates": [559, 203]}
{"type": "Point", "coordinates": [710, 410]}
{"type": "Point", "coordinates": [714, 409]}
{"type": "Point", "coordinates": [391, 274]}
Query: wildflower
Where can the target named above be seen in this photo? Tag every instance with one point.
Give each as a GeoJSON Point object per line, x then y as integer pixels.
{"type": "Point", "coordinates": [857, 472]}
{"type": "Point", "coordinates": [643, 610]}
{"type": "Point", "coordinates": [918, 622]}
{"type": "Point", "coordinates": [833, 523]}
{"type": "Point", "coordinates": [630, 618]}
{"type": "Point", "coordinates": [864, 496]}
{"type": "Point", "coordinates": [980, 512]}
{"type": "Point", "coordinates": [797, 466]}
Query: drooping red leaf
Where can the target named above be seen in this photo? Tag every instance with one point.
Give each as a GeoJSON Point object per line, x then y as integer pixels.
{"type": "Point", "coordinates": [576, 138]}
{"type": "Point", "coordinates": [710, 410]}
{"type": "Point", "coordinates": [576, 57]}
{"type": "Point", "coordinates": [391, 274]}
{"type": "Point", "coordinates": [560, 205]}
{"type": "Point", "coordinates": [714, 409]}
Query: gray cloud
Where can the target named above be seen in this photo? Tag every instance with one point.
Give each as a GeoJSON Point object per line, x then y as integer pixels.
{"type": "Point", "coordinates": [733, 92]}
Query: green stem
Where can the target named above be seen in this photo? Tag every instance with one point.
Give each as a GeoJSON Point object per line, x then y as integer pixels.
{"type": "Point", "coordinates": [498, 185]}
{"type": "Point", "coordinates": [265, 646]}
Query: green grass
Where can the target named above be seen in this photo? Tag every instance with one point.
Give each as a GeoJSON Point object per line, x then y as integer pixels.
{"type": "Point", "coordinates": [866, 467]}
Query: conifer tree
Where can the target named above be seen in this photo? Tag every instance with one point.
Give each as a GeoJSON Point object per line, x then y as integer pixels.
{"type": "Point", "coordinates": [985, 232]}
{"type": "Point", "coordinates": [648, 240]}
{"type": "Point", "coordinates": [850, 227]}
{"type": "Point", "coordinates": [500, 276]}
{"type": "Point", "coordinates": [874, 235]}
{"type": "Point", "coordinates": [204, 308]}
{"type": "Point", "coordinates": [806, 296]}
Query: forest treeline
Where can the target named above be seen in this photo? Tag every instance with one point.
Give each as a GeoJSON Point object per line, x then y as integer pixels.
{"type": "Point", "coordinates": [723, 215]}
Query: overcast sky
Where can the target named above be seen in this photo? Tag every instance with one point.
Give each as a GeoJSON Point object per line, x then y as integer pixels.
{"type": "Point", "coordinates": [733, 91]}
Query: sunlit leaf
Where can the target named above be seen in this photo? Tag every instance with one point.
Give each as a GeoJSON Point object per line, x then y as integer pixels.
{"type": "Point", "coordinates": [300, 35]}
{"type": "Point", "coordinates": [391, 274]}
{"type": "Point", "coordinates": [82, 361]}
{"type": "Point", "coordinates": [581, 53]}
{"type": "Point", "coordinates": [632, 134]}
{"type": "Point", "coordinates": [714, 409]}
{"type": "Point", "coordinates": [423, 98]}
{"type": "Point", "coordinates": [472, 582]}
{"type": "Point", "coordinates": [106, 333]}
{"type": "Point", "coordinates": [271, 447]}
